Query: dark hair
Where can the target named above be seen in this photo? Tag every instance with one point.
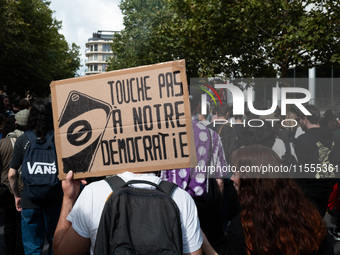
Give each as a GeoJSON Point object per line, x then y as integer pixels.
{"type": "Point", "coordinates": [264, 135]}
{"type": "Point", "coordinates": [9, 125]}
{"type": "Point", "coordinates": [329, 114]}
{"type": "Point", "coordinates": [2, 118]}
{"type": "Point", "coordinates": [238, 117]}
{"type": "Point", "coordinates": [328, 117]}
{"type": "Point", "coordinates": [276, 216]}
{"type": "Point", "coordinates": [315, 117]}
{"type": "Point", "coordinates": [21, 128]}
{"type": "Point", "coordinates": [24, 104]}
{"type": "Point", "coordinates": [334, 125]}
{"type": "Point", "coordinates": [3, 97]}
{"type": "Point", "coordinates": [15, 102]}
{"type": "Point", "coordinates": [214, 110]}
{"type": "Point", "coordinates": [222, 110]}
{"type": "Point", "coordinates": [195, 100]}
{"type": "Point", "coordinates": [40, 118]}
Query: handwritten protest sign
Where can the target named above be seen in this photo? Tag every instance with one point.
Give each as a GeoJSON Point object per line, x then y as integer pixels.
{"type": "Point", "coordinates": [135, 119]}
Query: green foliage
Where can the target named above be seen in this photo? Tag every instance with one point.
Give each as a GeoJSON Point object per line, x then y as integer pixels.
{"type": "Point", "coordinates": [286, 33]}
{"type": "Point", "coordinates": [34, 53]}
{"type": "Point", "coordinates": [235, 38]}
{"type": "Point", "coordinates": [144, 39]}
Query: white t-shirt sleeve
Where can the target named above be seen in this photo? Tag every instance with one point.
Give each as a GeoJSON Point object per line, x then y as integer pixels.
{"type": "Point", "coordinates": [191, 231]}
{"type": "Point", "coordinates": [86, 213]}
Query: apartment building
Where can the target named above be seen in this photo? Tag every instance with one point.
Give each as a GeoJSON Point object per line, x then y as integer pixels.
{"type": "Point", "coordinates": [98, 51]}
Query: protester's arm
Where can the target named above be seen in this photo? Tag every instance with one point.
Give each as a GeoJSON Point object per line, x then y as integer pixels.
{"type": "Point", "coordinates": [221, 162]}
{"type": "Point", "coordinates": [13, 182]}
{"type": "Point", "coordinates": [13, 173]}
{"type": "Point", "coordinates": [220, 184]}
{"type": "Point", "coordinates": [207, 249]}
{"type": "Point", "coordinates": [65, 236]}
{"type": "Point", "coordinates": [198, 252]}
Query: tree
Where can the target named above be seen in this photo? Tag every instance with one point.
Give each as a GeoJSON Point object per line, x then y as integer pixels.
{"type": "Point", "coordinates": [249, 38]}
{"type": "Point", "coordinates": [158, 31]}
{"type": "Point", "coordinates": [34, 53]}
{"type": "Point", "coordinates": [143, 40]}
{"type": "Point", "coordinates": [286, 33]}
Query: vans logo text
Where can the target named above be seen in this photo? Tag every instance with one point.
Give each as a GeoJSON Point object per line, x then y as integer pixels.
{"type": "Point", "coordinates": [42, 168]}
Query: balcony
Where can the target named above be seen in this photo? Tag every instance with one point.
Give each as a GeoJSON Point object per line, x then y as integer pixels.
{"type": "Point", "coordinates": [99, 42]}
{"type": "Point", "coordinates": [89, 52]}
{"type": "Point", "coordinates": [87, 62]}
{"type": "Point", "coordinates": [87, 72]}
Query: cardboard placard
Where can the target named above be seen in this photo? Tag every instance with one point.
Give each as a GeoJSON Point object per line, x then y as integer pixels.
{"type": "Point", "coordinates": [136, 119]}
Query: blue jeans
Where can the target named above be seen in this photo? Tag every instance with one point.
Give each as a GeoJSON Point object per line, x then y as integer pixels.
{"type": "Point", "coordinates": [35, 225]}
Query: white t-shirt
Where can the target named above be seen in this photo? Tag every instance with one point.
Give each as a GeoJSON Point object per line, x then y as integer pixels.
{"type": "Point", "coordinates": [279, 147]}
{"type": "Point", "coordinates": [86, 213]}
{"type": "Point", "coordinates": [299, 132]}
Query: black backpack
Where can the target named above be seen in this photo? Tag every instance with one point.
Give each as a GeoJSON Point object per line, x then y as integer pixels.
{"type": "Point", "coordinates": [39, 169]}
{"type": "Point", "coordinates": [139, 221]}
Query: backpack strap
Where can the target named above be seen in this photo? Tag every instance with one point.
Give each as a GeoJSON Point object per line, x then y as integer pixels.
{"type": "Point", "coordinates": [220, 130]}
{"type": "Point", "coordinates": [168, 187]}
{"type": "Point", "coordinates": [116, 183]}
{"type": "Point", "coordinates": [43, 143]}
{"type": "Point", "coordinates": [31, 135]}
{"type": "Point", "coordinates": [50, 136]}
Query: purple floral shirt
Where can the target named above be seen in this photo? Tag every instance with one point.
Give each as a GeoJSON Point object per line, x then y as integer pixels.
{"type": "Point", "coordinates": [193, 180]}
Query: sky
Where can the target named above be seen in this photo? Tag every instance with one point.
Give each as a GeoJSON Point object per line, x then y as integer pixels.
{"type": "Point", "coordinates": [81, 18]}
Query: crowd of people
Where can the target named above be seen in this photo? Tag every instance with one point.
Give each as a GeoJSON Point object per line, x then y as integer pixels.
{"type": "Point", "coordinates": [220, 213]}
{"type": "Point", "coordinates": [27, 223]}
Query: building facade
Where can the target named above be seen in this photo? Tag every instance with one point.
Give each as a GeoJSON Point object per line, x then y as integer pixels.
{"type": "Point", "coordinates": [98, 51]}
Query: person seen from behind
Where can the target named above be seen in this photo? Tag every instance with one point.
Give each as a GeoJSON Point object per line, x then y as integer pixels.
{"type": "Point", "coordinates": [38, 218]}
{"type": "Point", "coordinates": [276, 217]}
{"type": "Point", "coordinates": [311, 148]}
{"type": "Point", "coordinates": [80, 216]}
